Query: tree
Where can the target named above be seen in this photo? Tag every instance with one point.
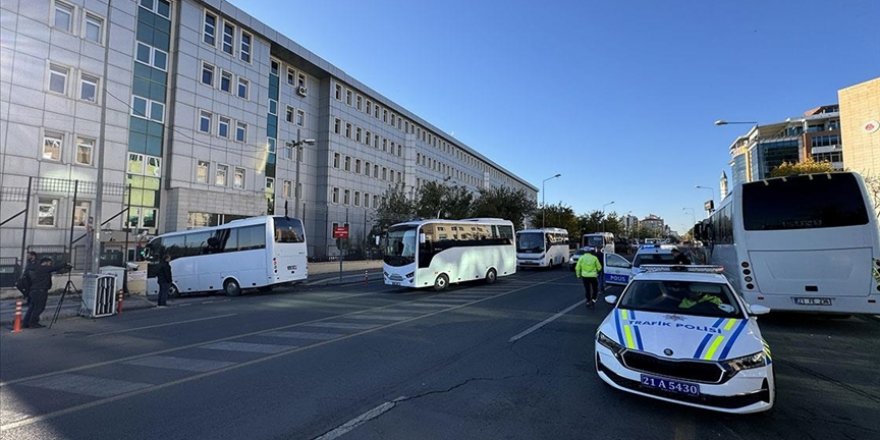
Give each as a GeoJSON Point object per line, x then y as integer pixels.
{"type": "Point", "coordinates": [807, 166]}
{"type": "Point", "coordinates": [590, 222]}
{"type": "Point", "coordinates": [557, 216]}
{"type": "Point", "coordinates": [395, 207]}
{"type": "Point", "coordinates": [439, 200]}
{"type": "Point", "coordinates": [614, 224]}
{"type": "Point", "coordinates": [458, 202]}
{"type": "Point", "coordinates": [872, 183]}
{"type": "Point", "coordinates": [503, 202]}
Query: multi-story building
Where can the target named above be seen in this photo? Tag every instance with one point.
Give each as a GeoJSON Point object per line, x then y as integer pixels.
{"type": "Point", "coordinates": [860, 125]}
{"type": "Point", "coordinates": [815, 135]}
{"type": "Point", "coordinates": [197, 114]}
{"type": "Point", "coordinates": [652, 222]}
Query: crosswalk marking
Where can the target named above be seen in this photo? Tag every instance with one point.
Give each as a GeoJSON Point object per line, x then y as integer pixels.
{"type": "Point", "coordinates": [249, 347]}
{"type": "Point", "coordinates": [303, 335]}
{"type": "Point", "coordinates": [342, 325]}
{"type": "Point", "coordinates": [86, 385]}
{"type": "Point", "coordinates": [176, 363]}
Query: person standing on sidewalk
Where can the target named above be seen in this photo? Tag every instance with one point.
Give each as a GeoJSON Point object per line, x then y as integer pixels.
{"type": "Point", "coordinates": [164, 279]}
{"type": "Point", "coordinates": [40, 278]}
{"type": "Point", "coordinates": [587, 269]}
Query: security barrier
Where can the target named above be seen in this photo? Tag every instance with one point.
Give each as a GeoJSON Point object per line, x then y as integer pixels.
{"type": "Point", "coordinates": [99, 296]}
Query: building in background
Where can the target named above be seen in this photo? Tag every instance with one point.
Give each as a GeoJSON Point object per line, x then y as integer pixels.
{"type": "Point", "coordinates": [652, 222]}
{"type": "Point", "coordinates": [860, 126]}
{"type": "Point", "coordinates": [207, 110]}
{"type": "Point", "coordinates": [764, 147]}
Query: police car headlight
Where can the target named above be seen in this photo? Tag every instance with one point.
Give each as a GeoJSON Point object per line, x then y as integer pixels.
{"type": "Point", "coordinates": [756, 360]}
{"type": "Point", "coordinates": [609, 343]}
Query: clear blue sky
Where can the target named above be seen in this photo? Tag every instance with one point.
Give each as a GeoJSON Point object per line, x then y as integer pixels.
{"type": "Point", "coordinates": [618, 96]}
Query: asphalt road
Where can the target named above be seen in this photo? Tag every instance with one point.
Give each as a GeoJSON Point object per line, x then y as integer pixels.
{"type": "Point", "coordinates": [365, 361]}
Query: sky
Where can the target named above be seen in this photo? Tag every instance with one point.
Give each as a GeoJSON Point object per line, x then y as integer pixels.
{"type": "Point", "coordinates": [617, 96]}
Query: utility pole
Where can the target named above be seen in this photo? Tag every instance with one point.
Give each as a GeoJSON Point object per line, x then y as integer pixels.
{"type": "Point", "coordinates": [95, 266]}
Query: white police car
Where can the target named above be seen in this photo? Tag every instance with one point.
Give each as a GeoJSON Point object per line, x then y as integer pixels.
{"type": "Point", "coordinates": [652, 254]}
{"type": "Point", "coordinates": [681, 334]}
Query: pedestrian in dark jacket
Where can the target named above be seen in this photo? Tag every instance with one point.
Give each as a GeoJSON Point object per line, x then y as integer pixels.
{"type": "Point", "coordinates": [40, 278]}
{"type": "Point", "coordinates": [679, 258]}
{"type": "Point", "coordinates": [164, 279]}
{"type": "Point", "coordinates": [23, 284]}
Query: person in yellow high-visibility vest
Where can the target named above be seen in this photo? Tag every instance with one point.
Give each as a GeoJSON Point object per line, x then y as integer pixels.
{"type": "Point", "coordinates": [587, 269]}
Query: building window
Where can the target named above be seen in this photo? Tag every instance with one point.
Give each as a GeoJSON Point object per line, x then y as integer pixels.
{"type": "Point", "coordinates": [272, 145]}
{"type": "Point", "coordinates": [241, 131]}
{"type": "Point", "coordinates": [335, 195]}
{"type": "Point", "coordinates": [226, 81]}
{"type": "Point", "coordinates": [336, 160]}
{"type": "Point", "coordinates": [291, 76]}
{"type": "Point", "coordinates": [347, 163]}
{"type": "Point", "coordinates": [228, 37]}
{"type": "Point", "coordinates": [135, 163]}
{"type": "Point", "coordinates": [223, 127]}
{"type": "Point", "coordinates": [359, 102]}
{"type": "Point", "coordinates": [81, 214]}
{"type": "Point", "coordinates": [209, 34]}
{"type": "Point", "coordinates": [274, 67]}
{"type": "Point", "coordinates": [300, 118]}
{"type": "Point", "coordinates": [288, 115]}
{"type": "Point", "coordinates": [357, 198]}
{"type": "Point", "coordinates": [298, 191]}
{"type": "Point", "coordinates": [384, 173]}
{"type": "Point", "coordinates": [376, 171]}
{"type": "Point", "coordinates": [301, 79]}
{"type": "Point", "coordinates": [285, 189]}
{"type": "Point", "coordinates": [63, 16]}
{"type": "Point", "coordinates": [148, 109]}
{"type": "Point", "coordinates": [243, 88]}
{"type": "Point", "coordinates": [52, 145]}
{"type": "Point", "coordinates": [273, 107]}
{"type": "Point", "coordinates": [288, 152]}
{"type": "Point", "coordinates": [338, 92]}
{"type": "Point", "coordinates": [357, 166]}
{"type": "Point", "coordinates": [93, 29]}
{"type": "Point", "coordinates": [367, 168]}
{"type": "Point", "coordinates": [151, 56]}
{"type": "Point", "coordinates": [238, 178]}
{"type": "Point", "coordinates": [366, 200]}
{"type": "Point", "coordinates": [270, 185]}
{"type": "Point", "coordinates": [348, 97]}
{"type": "Point", "coordinates": [348, 131]}
{"type": "Point", "coordinates": [369, 107]}
{"type": "Point", "coordinates": [346, 197]}
{"type": "Point", "coordinates": [208, 74]}
{"type": "Point", "coordinates": [399, 151]}
{"type": "Point", "coordinates": [244, 46]}
{"type": "Point", "coordinates": [47, 212]}
{"type": "Point", "coordinates": [160, 7]}
{"type": "Point", "coordinates": [88, 87]}
{"type": "Point", "coordinates": [58, 78]}
{"type": "Point", "coordinates": [84, 149]}
{"type": "Point", "coordinates": [336, 124]}
{"type": "Point", "coordinates": [202, 171]}
{"type": "Point", "coordinates": [367, 138]}
{"type": "Point", "coordinates": [220, 176]}
{"type": "Point", "coordinates": [357, 135]}
{"type": "Point", "coordinates": [385, 116]}
{"type": "Point", "coordinates": [205, 121]}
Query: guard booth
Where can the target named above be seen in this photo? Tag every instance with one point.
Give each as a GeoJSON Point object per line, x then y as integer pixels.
{"type": "Point", "coordinates": [98, 295]}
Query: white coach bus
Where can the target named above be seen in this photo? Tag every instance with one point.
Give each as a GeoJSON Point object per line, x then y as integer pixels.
{"type": "Point", "coordinates": [435, 253]}
{"type": "Point", "coordinates": [256, 252]}
{"type": "Point", "coordinates": [546, 247]}
{"type": "Point", "coordinates": [800, 243]}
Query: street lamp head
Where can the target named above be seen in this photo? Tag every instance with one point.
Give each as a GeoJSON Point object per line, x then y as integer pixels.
{"type": "Point", "coordinates": [557, 175]}
{"type": "Point", "coordinates": [720, 122]}
{"type": "Point", "coordinates": [308, 141]}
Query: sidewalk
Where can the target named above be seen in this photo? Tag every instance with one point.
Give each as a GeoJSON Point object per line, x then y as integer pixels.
{"type": "Point", "coordinates": [324, 273]}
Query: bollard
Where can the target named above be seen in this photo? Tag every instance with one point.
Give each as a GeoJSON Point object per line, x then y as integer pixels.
{"type": "Point", "coordinates": [16, 325]}
{"type": "Point", "coordinates": [119, 302]}
{"type": "Point", "coordinates": [366, 277]}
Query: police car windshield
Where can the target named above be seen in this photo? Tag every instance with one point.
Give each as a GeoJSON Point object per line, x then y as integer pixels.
{"type": "Point", "coordinates": [653, 259]}
{"type": "Point", "coordinates": [681, 297]}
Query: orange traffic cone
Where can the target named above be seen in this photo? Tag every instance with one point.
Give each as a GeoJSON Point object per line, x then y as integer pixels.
{"type": "Point", "coordinates": [119, 302]}
{"type": "Point", "coordinates": [16, 325]}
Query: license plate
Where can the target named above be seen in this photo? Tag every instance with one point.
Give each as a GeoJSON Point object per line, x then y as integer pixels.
{"type": "Point", "coordinates": [813, 301]}
{"type": "Point", "coordinates": [395, 283]}
{"type": "Point", "coordinates": [674, 386]}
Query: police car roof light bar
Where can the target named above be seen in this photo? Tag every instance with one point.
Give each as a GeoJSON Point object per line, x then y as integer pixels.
{"type": "Point", "coordinates": [695, 268]}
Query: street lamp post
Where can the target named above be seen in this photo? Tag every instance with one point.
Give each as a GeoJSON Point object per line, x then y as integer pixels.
{"type": "Point", "coordinates": [712, 190]}
{"type": "Point", "coordinates": [296, 149]}
{"type": "Point", "coordinates": [544, 198]}
{"type": "Point", "coordinates": [603, 213]}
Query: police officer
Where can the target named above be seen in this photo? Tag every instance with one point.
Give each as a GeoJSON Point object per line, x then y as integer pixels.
{"type": "Point", "coordinates": [587, 269]}
{"type": "Point", "coordinates": [40, 278]}
{"type": "Point", "coordinates": [164, 278]}
{"type": "Point", "coordinates": [678, 257]}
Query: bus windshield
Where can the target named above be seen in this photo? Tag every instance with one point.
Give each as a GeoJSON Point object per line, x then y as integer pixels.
{"type": "Point", "coordinates": [803, 202]}
{"type": "Point", "coordinates": [530, 242]}
{"type": "Point", "coordinates": [400, 245]}
{"type": "Point", "coordinates": [596, 241]}
{"type": "Point", "coordinates": [288, 230]}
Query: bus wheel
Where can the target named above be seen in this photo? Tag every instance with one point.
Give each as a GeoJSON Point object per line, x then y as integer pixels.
{"type": "Point", "coordinates": [173, 292]}
{"type": "Point", "coordinates": [231, 288]}
{"type": "Point", "coordinates": [441, 282]}
{"type": "Point", "coordinates": [491, 276]}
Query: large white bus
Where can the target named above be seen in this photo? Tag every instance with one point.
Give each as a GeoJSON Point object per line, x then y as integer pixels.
{"type": "Point", "coordinates": [546, 247]}
{"type": "Point", "coordinates": [256, 252]}
{"type": "Point", "coordinates": [603, 241]}
{"type": "Point", "coordinates": [800, 243]}
{"type": "Point", "coordinates": [435, 253]}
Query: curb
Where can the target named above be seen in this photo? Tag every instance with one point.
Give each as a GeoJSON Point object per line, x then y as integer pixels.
{"type": "Point", "coordinates": [130, 303]}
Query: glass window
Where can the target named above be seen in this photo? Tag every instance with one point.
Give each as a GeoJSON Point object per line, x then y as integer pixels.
{"type": "Point", "coordinates": [242, 88]}
{"type": "Point", "coordinates": [347, 163]}
{"type": "Point", "coordinates": [681, 297]}
{"type": "Point", "coordinates": [52, 145]}
{"type": "Point", "coordinates": [241, 131]}
{"type": "Point", "coordinates": [348, 97]}
{"type": "Point", "coordinates": [238, 178]}
{"type": "Point", "coordinates": [273, 107]}
{"type": "Point", "coordinates": [202, 171]}
{"type": "Point", "coordinates": [335, 195]}
{"type": "Point", "coordinates": [84, 149]}
{"type": "Point", "coordinates": [205, 121]}
{"type": "Point", "coordinates": [291, 76]}
{"type": "Point", "coordinates": [210, 29]}
{"type": "Point", "coordinates": [228, 37]}
{"type": "Point", "coordinates": [143, 53]}
{"type": "Point", "coordinates": [357, 198]}
{"type": "Point", "coordinates": [251, 237]}
{"type": "Point", "coordinates": [88, 88]}
{"type": "Point", "coordinates": [47, 212]}
{"type": "Point", "coordinates": [220, 177]}
{"type": "Point", "coordinates": [136, 163]}
{"type": "Point", "coordinates": [300, 118]}
{"type": "Point", "coordinates": [288, 230]}
{"type": "Point", "coordinates": [58, 78]}
{"type": "Point", "coordinates": [94, 28]}
{"type": "Point", "coordinates": [244, 51]}
{"type": "Point", "coordinates": [285, 189]}
{"type": "Point", "coordinates": [335, 160]}
{"type": "Point", "coordinates": [154, 167]}
{"type": "Point", "coordinates": [301, 79]}
{"type": "Point", "coordinates": [272, 145]}
{"type": "Point", "coordinates": [208, 74]}
{"type": "Point", "coordinates": [274, 66]}
{"type": "Point", "coordinates": [163, 8]}
{"type": "Point", "coordinates": [223, 127]}
{"type": "Point", "coordinates": [81, 213]}
{"type": "Point", "coordinates": [338, 92]}
{"type": "Point", "coordinates": [288, 115]}
{"type": "Point", "coordinates": [157, 111]}
{"type": "Point", "coordinates": [346, 196]}
{"type": "Point", "coordinates": [63, 16]}
{"type": "Point", "coordinates": [226, 81]}
{"type": "Point", "coordinates": [270, 185]}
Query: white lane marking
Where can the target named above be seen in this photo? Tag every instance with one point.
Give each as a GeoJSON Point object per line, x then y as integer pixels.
{"type": "Point", "coordinates": [161, 325]}
{"type": "Point", "coordinates": [379, 317]}
{"type": "Point", "coordinates": [342, 325]}
{"type": "Point", "coordinates": [546, 321]}
{"type": "Point", "coordinates": [303, 335]}
{"type": "Point", "coordinates": [248, 347]}
{"type": "Point", "coordinates": [412, 304]}
{"type": "Point", "coordinates": [360, 420]}
{"type": "Point", "coordinates": [176, 363]}
{"type": "Point", "coordinates": [86, 385]}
